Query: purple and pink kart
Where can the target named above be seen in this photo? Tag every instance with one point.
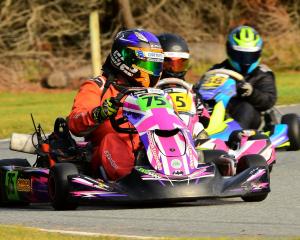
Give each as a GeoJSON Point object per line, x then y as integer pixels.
{"type": "Point", "coordinates": [167, 168]}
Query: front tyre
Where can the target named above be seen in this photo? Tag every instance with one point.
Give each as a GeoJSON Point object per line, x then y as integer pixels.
{"type": "Point", "coordinates": [249, 161]}
{"type": "Point", "coordinates": [58, 186]}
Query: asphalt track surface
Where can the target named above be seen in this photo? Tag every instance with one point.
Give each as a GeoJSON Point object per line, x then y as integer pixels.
{"type": "Point", "coordinates": [278, 215]}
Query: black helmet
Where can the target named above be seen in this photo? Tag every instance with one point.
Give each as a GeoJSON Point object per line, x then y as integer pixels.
{"type": "Point", "coordinates": [176, 53]}
{"type": "Point", "coordinates": [138, 56]}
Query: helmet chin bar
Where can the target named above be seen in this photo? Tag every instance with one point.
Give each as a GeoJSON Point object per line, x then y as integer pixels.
{"type": "Point", "coordinates": [168, 74]}
{"type": "Point", "coordinates": [243, 69]}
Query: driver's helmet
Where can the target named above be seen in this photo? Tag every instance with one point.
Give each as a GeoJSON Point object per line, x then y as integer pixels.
{"type": "Point", "coordinates": [244, 46]}
{"type": "Point", "coordinates": [138, 56]}
{"type": "Point", "coordinates": [176, 52]}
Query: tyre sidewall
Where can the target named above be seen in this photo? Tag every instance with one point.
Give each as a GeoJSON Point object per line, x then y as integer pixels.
{"type": "Point", "coordinates": [59, 185]}
{"type": "Point", "coordinates": [292, 120]}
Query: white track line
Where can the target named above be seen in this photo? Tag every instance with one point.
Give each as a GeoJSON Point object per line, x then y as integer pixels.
{"type": "Point", "coordinates": [96, 234]}
{"type": "Point", "coordinates": [289, 105]}
{"type": "Point", "coordinates": [5, 140]}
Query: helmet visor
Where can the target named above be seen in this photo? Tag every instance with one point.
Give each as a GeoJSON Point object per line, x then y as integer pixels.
{"type": "Point", "coordinates": [145, 60]}
{"type": "Point", "coordinates": [176, 65]}
{"type": "Point", "coordinates": [244, 58]}
{"type": "Point", "coordinates": [152, 68]}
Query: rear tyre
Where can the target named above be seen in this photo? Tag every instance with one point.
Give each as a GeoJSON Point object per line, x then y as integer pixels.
{"type": "Point", "coordinates": [292, 120]}
{"type": "Point", "coordinates": [58, 186]}
{"type": "Point", "coordinates": [248, 161]}
{"type": "Point", "coordinates": [20, 162]}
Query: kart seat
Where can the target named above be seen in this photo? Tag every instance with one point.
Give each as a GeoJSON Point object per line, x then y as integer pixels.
{"type": "Point", "coordinates": [269, 118]}
{"type": "Point", "coordinates": [64, 147]}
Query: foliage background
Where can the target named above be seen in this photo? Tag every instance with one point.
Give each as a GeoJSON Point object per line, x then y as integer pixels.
{"type": "Point", "coordinates": [40, 36]}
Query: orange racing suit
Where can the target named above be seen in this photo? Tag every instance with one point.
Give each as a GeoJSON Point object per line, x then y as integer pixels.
{"type": "Point", "coordinates": [112, 150]}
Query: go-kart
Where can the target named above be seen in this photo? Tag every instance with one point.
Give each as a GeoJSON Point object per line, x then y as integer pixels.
{"type": "Point", "coordinates": [238, 144]}
{"type": "Point", "coordinates": [217, 88]}
{"type": "Point", "coordinates": [167, 167]}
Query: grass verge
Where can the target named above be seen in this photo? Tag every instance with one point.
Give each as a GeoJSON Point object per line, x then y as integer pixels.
{"type": "Point", "coordinates": [288, 85]}
{"type": "Point", "coordinates": [15, 109]}
{"type": "Point", "coordinates": [24, 233]}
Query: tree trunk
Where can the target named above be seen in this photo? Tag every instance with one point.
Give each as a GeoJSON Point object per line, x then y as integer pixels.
{"type": "Point", "coordinates": [128, 19]}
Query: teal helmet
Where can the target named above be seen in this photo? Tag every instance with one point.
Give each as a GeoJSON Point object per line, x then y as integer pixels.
{"type": "Point", "coordinates": [244, 46]}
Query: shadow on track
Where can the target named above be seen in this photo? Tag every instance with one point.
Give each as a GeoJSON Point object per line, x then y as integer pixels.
{"type": "Point", "coordinates": [119, 206]}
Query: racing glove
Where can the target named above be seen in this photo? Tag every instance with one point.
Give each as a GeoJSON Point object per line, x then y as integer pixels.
{"type": "Point", "coordinates": [244, 89]}
{"type": "Point", "coordinates": [108, 109]}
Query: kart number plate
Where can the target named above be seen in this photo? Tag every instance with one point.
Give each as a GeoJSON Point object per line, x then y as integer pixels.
{"type": "Point", "coordinates": [182, 101]}
{"type": "Point", "coordinates": [214, 81]}
{"type": "Point", "coordinates": [149, 102]}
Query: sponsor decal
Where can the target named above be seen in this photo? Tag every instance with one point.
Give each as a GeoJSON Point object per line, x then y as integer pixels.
{"type": "Point", "coordinates": [110, 159]}
{"type": "Point", "coordinates": [155, 91]}
{"type": "Point", "coordinates": [141, 37]}
{"type": "Point", "coordinates": [176, 163]}
{"type": "Point", "coordinates": [148, 172]}
{"type": "Point", "coordinates": [254, 171]}
{"type": "Point", "coordinates": [152, 56]}
{"type": "Point", "coordinates": [259, 185]}
{"type": "Point", "coordinates": [182, 100]}
{"type": "Point", "coordinates": [154, 151]}
{"type": "Point", "coordinates": [10, 185]}
{"type": "Point", "coordinates": [117, 59]}
{"type": "Point", "coordinates": [214, 81]}
{"type": "Point", "coordinates": [155, 45]}
{"type": "Point", "coordinates": [23, 185]}
{"type": "Point", "coordinates": [193, 161]}
{"type": "Point", "coordinates": [177, 54]}
{"type": "Point", "coordinates": [153, 101]}
{"type": "Point", "coordinates": [155, 55]}
{"type": "Point", "coordinates": [127, 70]}
{"type": "Point", "coordinates": [102, 185]}
{"type": "Point", "coordinates": [178, 173]}
{"type": "Point", "coordinates": [79, 115]}
{"type": "Point", "coordinates": [140, 54]}
{"type": "Point", "coordinates": [177, 48]}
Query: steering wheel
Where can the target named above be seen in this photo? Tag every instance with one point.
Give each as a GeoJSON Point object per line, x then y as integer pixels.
{"type": "Point", "coordinates": [235, 75]}
{"type": "Point", "coordinates": [175, 81]}
{"type": "Point", "coordinates": [117, 122]}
